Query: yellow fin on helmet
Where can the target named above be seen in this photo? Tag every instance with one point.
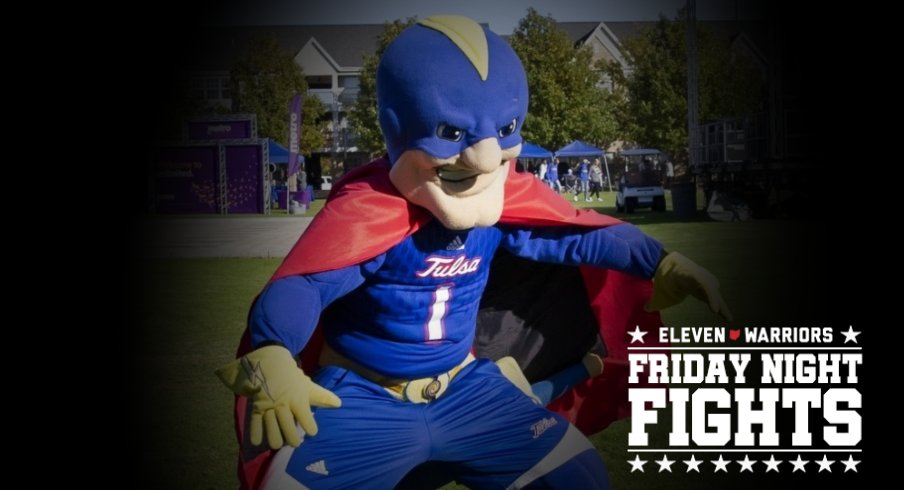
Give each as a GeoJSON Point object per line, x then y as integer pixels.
{"type": "Point", "coordinates": [467, 35]}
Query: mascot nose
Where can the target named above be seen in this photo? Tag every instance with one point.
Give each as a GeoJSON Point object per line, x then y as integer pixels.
{"type": "Point", "coordinates": [484, 156]}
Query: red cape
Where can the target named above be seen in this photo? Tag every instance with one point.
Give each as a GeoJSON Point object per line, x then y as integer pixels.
{"type": "Point", "coordinates": [365, 216]}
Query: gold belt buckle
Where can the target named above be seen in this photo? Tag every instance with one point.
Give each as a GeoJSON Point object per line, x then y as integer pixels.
{"type": "Point", "coordinates": [425, 390]}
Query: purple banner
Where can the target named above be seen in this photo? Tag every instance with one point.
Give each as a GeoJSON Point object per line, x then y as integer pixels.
{"type": "Point", "coordinates": [185, 179]}
{"type": "Point", "coordinates": [219, 130]}
{"type": "Point", "coordinates": [294, 133]}
{"type": "Point", "coordinates": [244, 179]}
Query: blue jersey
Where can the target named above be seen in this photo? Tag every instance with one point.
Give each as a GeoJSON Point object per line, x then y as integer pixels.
{"type": "Point", "coordinates": [582, 171]}
{"type": "Point", "coordinates": [411, 312]}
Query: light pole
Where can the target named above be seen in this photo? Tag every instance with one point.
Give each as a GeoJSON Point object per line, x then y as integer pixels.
{"type": "Point", "coordinates": [337, 106]}
{"type": "Point", "coordinates": [693, 129]}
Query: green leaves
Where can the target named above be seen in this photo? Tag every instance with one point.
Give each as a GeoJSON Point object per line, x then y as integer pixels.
{"type": "Point", "coordinates": [264, 79]}
{"type": "Point", "coordinates": [566, 102]}
{"type": "Point", "coordinates": [566, 99]}
{"type": "Point", "coordinates": [363, 115]}
{"type": "Point", "coordinates": [654, 93]}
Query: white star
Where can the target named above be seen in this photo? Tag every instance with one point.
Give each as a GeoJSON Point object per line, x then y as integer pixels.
{"type": "Point", "coordinates": [746, 464]}
{"type": "Point", "coordinates": [825, 464]}
{"type": "Point", "coordinates": [693, 464]}
{"type": "Point", "coordinates": [772, 464]}
{"type": "Point", "coordinates": [721, 464]}
{"type": "Point", "coordinates": [850, 335]}
{"type": "Point", "coordinates": [637, 335]}
{"type": "Point", "coordinates": [850, 464]}
{"type": "Point", "coordinates": [637, 464]}
{"type": "Point", "coordinates": [665, 464]}
{"type": "Point", "coordinates": [799, 464]}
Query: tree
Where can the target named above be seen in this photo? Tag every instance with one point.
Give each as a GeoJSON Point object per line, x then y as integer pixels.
{"type": "Point", "coordinates": [566, 100]}
{"type": "Point", "coordinates": [264, 79]}
{"type": "Point", "coordinates": [363, 116]}
{"type": "Point", "coordinates": [654, 92]}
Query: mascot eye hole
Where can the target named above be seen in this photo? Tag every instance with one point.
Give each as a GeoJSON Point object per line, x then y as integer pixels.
{"type": "Point", "coordinates": [448, 132]}
{"type": "Point", "coordinates": [508, 129]}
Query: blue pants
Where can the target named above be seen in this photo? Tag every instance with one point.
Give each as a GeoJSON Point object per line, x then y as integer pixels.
{"type": "Point", "coordinates": [483, 429]}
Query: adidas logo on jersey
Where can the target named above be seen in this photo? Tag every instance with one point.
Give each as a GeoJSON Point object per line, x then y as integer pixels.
{"type": "Point", "coordinates": [456, 244]}
{"type": "Point", "coordinates": [318, 467]}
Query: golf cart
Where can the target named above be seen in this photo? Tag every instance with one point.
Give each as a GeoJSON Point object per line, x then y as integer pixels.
{"type": "Point", "coordinates": [640, 185]}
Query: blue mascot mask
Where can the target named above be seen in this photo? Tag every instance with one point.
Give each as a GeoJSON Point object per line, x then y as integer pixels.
{"type": "Point", "coordinates": [446, 83]}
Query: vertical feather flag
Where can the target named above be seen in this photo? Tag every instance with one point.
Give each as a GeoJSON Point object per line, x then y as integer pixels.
{"type": "Point", "coordinates": [295, 114]}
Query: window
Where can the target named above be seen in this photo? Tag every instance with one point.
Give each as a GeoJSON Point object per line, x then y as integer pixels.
{"type": "Point", "coordinates": [351, 86]}
{"type": "Point", "coordinates": [319, 82]}
{"type": "Point", "coordinates": [325, 96]}
{"type": "Point", "coordinates": [210, 88]}
{"type": "Point", "coordinates": [349, 82]}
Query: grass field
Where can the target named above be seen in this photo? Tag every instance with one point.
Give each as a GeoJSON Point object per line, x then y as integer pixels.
{"type": "Point", "coordinates": [606, 206]}
{"type": "Point", "coordinates": [195, 312]}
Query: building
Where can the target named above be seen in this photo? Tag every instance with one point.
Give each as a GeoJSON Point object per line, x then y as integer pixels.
{"type": "Point", "coordinates": [331, 58]}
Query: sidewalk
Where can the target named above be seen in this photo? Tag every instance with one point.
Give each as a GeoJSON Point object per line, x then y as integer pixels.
{"type": "Point", "coordinates": [220, 237]}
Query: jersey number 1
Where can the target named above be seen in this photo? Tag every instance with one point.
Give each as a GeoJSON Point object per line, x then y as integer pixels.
{"type": "Point", "coordinates": [439, 307]}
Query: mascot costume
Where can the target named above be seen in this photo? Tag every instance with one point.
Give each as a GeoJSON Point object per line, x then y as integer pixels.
{"type": "Point", "coordinates": [424, 268]}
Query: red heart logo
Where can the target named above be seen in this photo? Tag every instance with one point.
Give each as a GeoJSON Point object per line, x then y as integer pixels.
{"type": "Point", "coordinates": [734, 334]}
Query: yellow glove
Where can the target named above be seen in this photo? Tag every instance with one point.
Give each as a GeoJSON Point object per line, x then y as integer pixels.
{"type": "Point", "coordinates": [280, 394]}
{"type": "Point", "coordinates": [676, 277]}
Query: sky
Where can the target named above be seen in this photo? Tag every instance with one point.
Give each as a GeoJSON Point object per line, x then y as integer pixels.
{"type": "Point", "coordinates": [501, 15]}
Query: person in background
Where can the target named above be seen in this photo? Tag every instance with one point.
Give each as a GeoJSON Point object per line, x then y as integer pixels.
{"type": "Point", "coordinates": [302, 180]}
{"type": "Point", "coordinates": [669, 173]}
{"type": "Point", "coordinates": [552, 177]}
{"type": "Point", "coordinates": [596, 179]}
{"type": "Point", "coordinates": [583, 172]}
